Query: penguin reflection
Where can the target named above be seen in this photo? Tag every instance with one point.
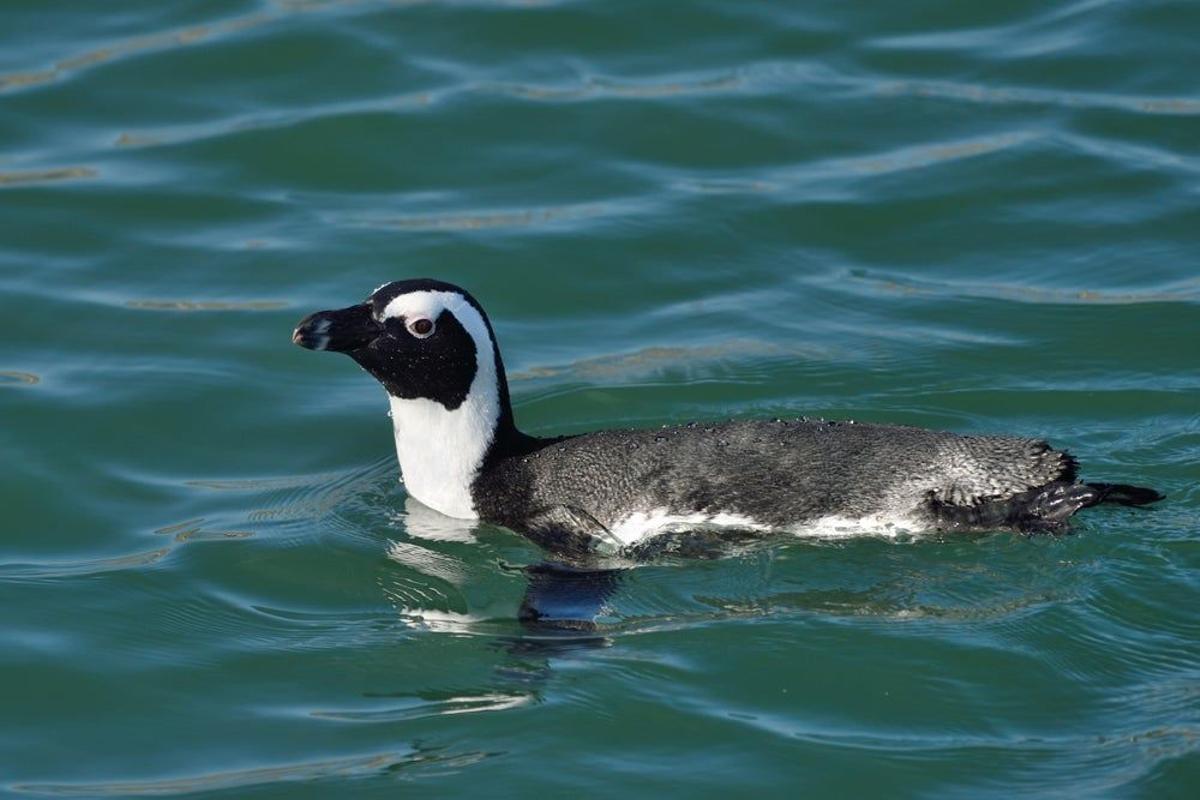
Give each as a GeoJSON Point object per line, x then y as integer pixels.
{"type": "Point", "coordinates": [558, 597]}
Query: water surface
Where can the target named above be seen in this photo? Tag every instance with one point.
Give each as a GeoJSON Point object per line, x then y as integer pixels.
{"type": "Point", "coordinates": [976, 218]}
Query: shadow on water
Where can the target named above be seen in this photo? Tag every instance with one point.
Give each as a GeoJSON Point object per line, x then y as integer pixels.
{"type": "Point", "coordinates": [559, 597]}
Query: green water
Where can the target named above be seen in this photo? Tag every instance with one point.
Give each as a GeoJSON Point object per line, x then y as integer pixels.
{"type": "Point", "coordinates": [981, 217]}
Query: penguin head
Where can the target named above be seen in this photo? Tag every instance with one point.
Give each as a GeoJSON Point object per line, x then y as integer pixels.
{"type": "Point", "coordinates": [421, 339]}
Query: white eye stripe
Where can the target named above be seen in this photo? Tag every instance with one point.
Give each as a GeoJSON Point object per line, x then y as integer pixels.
{"type": "Point", "coordinates": [431, 305]}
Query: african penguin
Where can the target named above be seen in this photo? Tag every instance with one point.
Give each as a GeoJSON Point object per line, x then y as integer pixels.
{"type": "Point", "coordinates": [432, 347]}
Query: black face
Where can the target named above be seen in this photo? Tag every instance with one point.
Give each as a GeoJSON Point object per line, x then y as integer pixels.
{"type": "Point", "coordinates": [415, 357]}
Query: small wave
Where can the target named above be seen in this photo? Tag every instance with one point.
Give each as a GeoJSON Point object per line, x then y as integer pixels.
{"type": "Point", "coordinates": [976, 93]}
{"type": "Point", "coordinates": [483, 220]}
{"type": "Point", "coordinates": [164, 40]}
{"type": "Point", "coordinates": [427, 561]}
{"type": "Point", "coordinates": [15, 378]}
{"type": "Point", "coordinates": [304, 497]}
{"type": "Point", "coordinates": [598, 87]}
{"type": "Point", "coordinates": [650, 359]}
{"type": "Point", "coordinates": [1185, 292]}
{"type": "Point", "coordinates": [463, 704]}
{"type": "Point", "coordinates": [36, 176]}
{"type": "Point", "coordinates": [206, 305]}
{"type": "Point", "coordinates": [92, 566]}
{"type": "Point", "coordinates": [351, 767]}
{"type": "Point", "coordinates": [908, 158]}
{"type": "Point", "coordinates": [194, 530]}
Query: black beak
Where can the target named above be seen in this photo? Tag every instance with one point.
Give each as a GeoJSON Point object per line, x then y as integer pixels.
{"type": "Point", "coordinates": [342, 331]}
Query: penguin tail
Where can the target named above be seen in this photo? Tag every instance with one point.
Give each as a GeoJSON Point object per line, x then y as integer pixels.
{"type": "Point", "coordinates": [1042, 509]}
{"type": "Point", "coordinates": [1049, 507]}
{"type": "Point", "coordinates": [1123, 494]}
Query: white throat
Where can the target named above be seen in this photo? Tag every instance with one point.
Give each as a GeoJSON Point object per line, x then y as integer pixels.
{"type": "Point", "coordinates": [441, 451]}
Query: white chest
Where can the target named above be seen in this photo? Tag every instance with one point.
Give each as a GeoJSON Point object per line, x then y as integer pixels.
{"type": "Point", "coordinates": [440, 451]}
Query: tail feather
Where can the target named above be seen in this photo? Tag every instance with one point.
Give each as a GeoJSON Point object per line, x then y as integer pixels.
{"type": "Point", "coordinates": [1124, 494]}
{"type": "Point", "coordinates": [1046, 508]}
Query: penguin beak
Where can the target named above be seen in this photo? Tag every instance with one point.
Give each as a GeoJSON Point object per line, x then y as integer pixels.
{"type": "Point", "coordinates": [342, 331]}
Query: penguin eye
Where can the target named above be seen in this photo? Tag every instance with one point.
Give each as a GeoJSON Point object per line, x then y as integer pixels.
{"type": "Point", "coordinates": [421, 328]}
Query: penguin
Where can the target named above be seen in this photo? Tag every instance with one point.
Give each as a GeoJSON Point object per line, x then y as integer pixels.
{"type": "Point", "coordinates": [620, 491]}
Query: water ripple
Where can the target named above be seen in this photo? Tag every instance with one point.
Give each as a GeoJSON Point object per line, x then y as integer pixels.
{"type": "Point", "coordinates": [53, 175]}
{"type": "Point", "coordinates": [52, 570]}
{"type": "Point", "coordinates": [601, 88]}
{"type": "Point", "coordinates": [1187, 291]}
{"type": "Point", "coordinates": [991, 95]}
{"type": "Point", "coordinates": [417, 758]}
{"type": "Point", "coordinates": [968, 216]}
{"type": "Point", "coordinates": [162, 40]}
{"type": "Point", "coordinates": [15, 378]}
{"type": "Point", "coordinates": [207, 305]}
{"type": "Point", "coordinates": [175, 38]}
{"type": "Point", "coordinates": [495, 219]}
{"type": "Point", "coordinates": [465, 704]}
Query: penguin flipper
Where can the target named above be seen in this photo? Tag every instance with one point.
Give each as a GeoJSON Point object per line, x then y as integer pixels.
{"type": "Point", "coordinates": [568, 531]}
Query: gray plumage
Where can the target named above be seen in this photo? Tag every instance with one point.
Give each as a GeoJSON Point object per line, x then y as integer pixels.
{"type": "Point", "coordinates": [781, 474]}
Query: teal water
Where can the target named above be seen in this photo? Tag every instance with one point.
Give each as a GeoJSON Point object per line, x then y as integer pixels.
{"type": "Point", "coordinates": [968, 216]}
